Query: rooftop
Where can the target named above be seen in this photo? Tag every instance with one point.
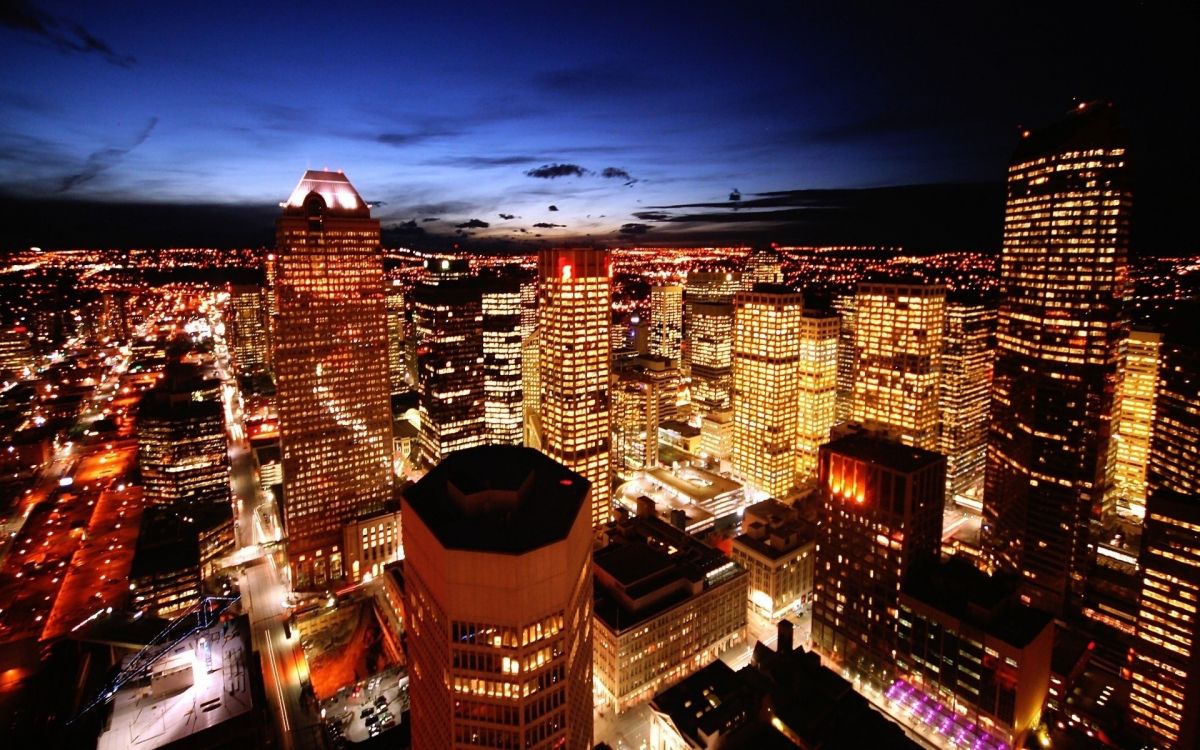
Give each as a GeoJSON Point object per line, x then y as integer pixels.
{"type": "Point", "coordinates": [335, 190]}
{"type": "Point", "coordinates": [891, 455]}
{"type": "Point", "coordinates": [1089, 125]}
{"type": "Point", "coordinates": [498, 498]}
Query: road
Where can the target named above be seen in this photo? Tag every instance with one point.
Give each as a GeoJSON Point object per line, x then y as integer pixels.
{"type": "Point", "coordinates": [264, 593]}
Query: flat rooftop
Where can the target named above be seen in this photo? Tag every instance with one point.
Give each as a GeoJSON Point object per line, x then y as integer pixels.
{"type": "Point", "coordinates": [894, 456]}
{"type": "Point", "coordinates": [498, 498]}
{"type": "Point", "coordinates": [698, 484]}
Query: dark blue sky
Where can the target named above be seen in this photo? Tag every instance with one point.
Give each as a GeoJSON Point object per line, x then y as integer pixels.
{"type": "Point", "coordinates": [447, 110]}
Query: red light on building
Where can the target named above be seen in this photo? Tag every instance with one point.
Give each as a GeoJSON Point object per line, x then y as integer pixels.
{"type": "Point", "coordinates": [566, 272]}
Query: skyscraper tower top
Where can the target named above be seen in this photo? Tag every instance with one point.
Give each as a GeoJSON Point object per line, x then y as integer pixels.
{"type": "Point", "coordinates": [1089, 125]}
{"type": "Point", "coordinates": [337, 196]}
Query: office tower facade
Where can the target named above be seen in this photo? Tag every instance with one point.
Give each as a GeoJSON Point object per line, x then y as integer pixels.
{"type": "Point", "coordinates": [1175, 445]}
{"type": "Point", "coordinates": [271, 272]}
{"type": "Point", "coordinates": [778, 549]}
{"type": "Point", "coordinates": [1164, 668]}
{"type": "Point", "coordinates": [708, 327]}
{"type": "Point", "coordinates": [965, 395]}
{"type": "Point", "coordinates": [249, 322]}
{"type": "Point", "coordinates": [881, 518]}
{"type": "Point", "coordinates": [331, 366]}
{"type": "Point", "coordinates": [666, 321]}
{"type": "Point", "coordinates": [397, 362]}
{"type": "Point", "coordinates": [763, 266]}
{"type": "Point", "coordinates": [1139, 386]}
{"type": "Point", "coordinates": [531, 387]}
{"type": "Point", "coordinates": [183, 454]}
{"type": "Point", "coordinates": [498, 602]}
{"type": "Point", "coordinates": [898, 328]}
{"type": "Point", "coordinates": [818, 388]}
{"type": "Point", "coordinates": [503, 401]}
{"type": "Point", "coordinates": [448, 323]}
{"type": "Point", "coordinates": [766, 387]}
{"type": "Point", "coordinates": [1058, 335]}
{"type": "Point", "coordinates": [575, 366]}
{"type": "Point", "coordinates": [635, 421]}
{"type": "Point", "coordinates": [847, 359]}
{"type": "Point", "coordinates": [16, 355]}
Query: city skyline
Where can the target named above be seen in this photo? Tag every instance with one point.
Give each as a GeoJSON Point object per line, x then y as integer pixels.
{"type": "Point", "coordinates": [814, 119]}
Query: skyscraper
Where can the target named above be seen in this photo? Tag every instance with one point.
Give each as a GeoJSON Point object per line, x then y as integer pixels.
{"type": "Point", "coordinates": [504, 408]}
{"type": "Point", "coordinates": [763, 266]}
{"type": "Point", "coordinates": [574, 314]}
{"type": "Point", "coordinates": [666, 321]}
{"type": "Point", "coordinates": [448, 322]}
{"type": "Point", "coordinates": [1058, 335]}
{"type": "Point", "coordinates": [898, 342]}
{"type": "Point", "coordinates": [249, 323]}
{"type": "Point", "coordinates": [635, 421]}
{"type": "Point", "coordinates": [397, 362]}
{"type": "Point", "coordinates": [881, 518]}
{"type": "Point", "coordinates": [1139, 386]}
{"type": "Point", "coordinates": [766, 387]}
{"type": "Point", "coordinates": [1175, 447]}
{"type": "Point", "coordinates": [708, 318]}
{"type": "Point", "coordinates": [965, 395]}
{"type": "Point", "coordinates": [498, 602]}
{"type": "Point", "coordinates": [817, 410]}
{"type": "Point", "coordinates": [847, 359]}
{"type": "Point", "coordinates": [335, 423]}
{"type": "Point", "coordinates": [182, 449]}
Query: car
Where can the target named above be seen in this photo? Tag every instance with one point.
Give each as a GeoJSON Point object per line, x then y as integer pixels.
{"type": "Point", "coordinates": [366, 713]}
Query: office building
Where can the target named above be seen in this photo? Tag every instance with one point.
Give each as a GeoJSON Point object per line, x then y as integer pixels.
{"type": "Point", "coordinates": [666, 604]}
{"type": "Point", "coordinates": [716, 434]}
{"type": "Point", "coordinates": [251, 346]}
{"type": "Point", "coordinates": [372, 540]}
{"type": "Point", "coordinates": [331, 367]}
{"type": "Point", "coordinates": [531, 387]}
{"type": "Point", "coordinates": [766, 386]}
{"type": "Point", "coordinates": [881, 518]}
{"type": "Point", "coordinates": [817, 392]}
{"type": "Point", "coordinates": [847, 357]}
{"type": "Point", "coordinates": [898, 328]}
{"type": "Point", "coordinates": [498, 602]}
{"type": "Point", "coordinates": [178, 551]}
{"type": "Point", "coordinates": [575, 368]}
{"type": "Point", "coordinates": [183, 452]}
{"type": "Point", "coordinates": [965, 396]}
{"type": "Point", "coordinates": [397, 340]}
{"type": "Point", "coordinates": [1136, 396]}
{"type": "Point", "coordinates": [448, 323]}
{"type": "Point", "coordinates": [967, 643]}
{"type": "Point", "coordinates": [709, 326]}
{"type": "Point", "coordinates": [666, 322]}
{"type": "Point", "coordinates": [763, 266]}
{"type": "Point", "coordinates": [635, 419]}
{"type": "Point", "coordinates": [503, 402]}
{"type": "Point", "coordinates": [1058, 341]}
{"type": "Point", "coordinates": [778, 549]}
{"type": "Point", "coordinates": [1175, 445]}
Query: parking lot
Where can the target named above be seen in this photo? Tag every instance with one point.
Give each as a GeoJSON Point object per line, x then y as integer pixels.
{"type": "Point", "coordinates": [368, 708]}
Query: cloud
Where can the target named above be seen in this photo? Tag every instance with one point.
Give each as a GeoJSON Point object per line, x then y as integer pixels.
{"type": "Point", "coordinates": [104, 159]}
{"type": "Point", "coordinates": [554, 171]}
{"type": "Point", "coordinates": [431, 218]}
{"type": "Point", "coordinates": [61, 33]}
{"type": "Point", "coordinates": [652, 215]}
{"type": "Point", "coordinates": [615, 173]}
{"type": "Point", "coordinates": [551, 208]}
{"type": "Point", "coordinates": [473, 224]}
{"type": "Point", "coordinates": [547, 225]}
{"type": "Point", "coordinates": [412, 137]}
{"type": "Point", "coordinates": [484, 162]}
{"type": "Point", "coordinates": [630, 229]}
{"type": "Point", "coordinates": [506, 217]}
{"type": "Point", "coordinates": [410, 224]}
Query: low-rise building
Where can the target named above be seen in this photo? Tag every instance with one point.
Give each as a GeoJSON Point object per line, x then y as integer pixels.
{"type": "Point", "coordinates": [666, 604]}
{"type": "Point", "coordinates": [372, 540]}
{"type": "Point", "coordinates": [778, 548]}
{"type": "Point", "coordinates": [716, 434]}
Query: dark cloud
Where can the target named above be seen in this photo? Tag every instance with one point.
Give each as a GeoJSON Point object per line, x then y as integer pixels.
{"type": "Point", "coordinates": [631, 229]}
{"type": "Point", "coordinates": [735, 195]}
{"type": "Point", "coordinates": [376, 204]}
{"type": "Point", "coordinates": [615, 173]}
{"type": "Point", "coordinates": [547, 225]}
{"type": "Point", "coordinates": [105, 159]}
{"type": "Point", "coordinates": [551, 208]}
{"type": "Point", "coordinates": [652, 215]}
{"type": "Point", "coordinates": [473, 224]}
{"type": "Point", "coordinates": [506, 217]}
{"type": "Point", "coordinates": [431, 218]}
{"type": "Point", "coordinates": [554, 171]}
{"type": "Point", "coordinates": [410, 224]}
{"type": "Point", "coordinates": [59, 32]}
{"type": "Point", "coordinates": [484, 162]}
{"type": "Point", "coordinates": [412, 137]}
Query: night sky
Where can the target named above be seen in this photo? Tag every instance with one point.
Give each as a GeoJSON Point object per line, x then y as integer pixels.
{"type": "Point", "coordinates": [186, 123]}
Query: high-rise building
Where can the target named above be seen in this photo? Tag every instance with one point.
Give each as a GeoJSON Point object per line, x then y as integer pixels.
{"type": "Point", "coordinates": [1058, 340]}
{"type": "Point", "coordinates": [531, 387]}
{"type": "Point", "coordinates": [666, 321]}
{"type": "Point", "coordinates": [763, 266]}
{"type": "Point", "coordinates": [498, 602]}
{"type": "Point", "coordinates": [966, 392]}
{"type": "Point", "coordinates": [1139, 386]}
{"type": "Point", "coordinates": [709, 328]}
{"type": "Point", "coordinates": [766, 386]}
{"type": "Point", "coordinates": [575, 367]}
{"type": "Point", "coordinates": [448, 322]}
{"type": "Point", "coordinates": [818, 387]}
{"type": "Point", "coordinates": [1175, 446]}
{"type": "Point", "coordinates": [183, 454]}
{"type": "Point", "coordinates": [898, 327]}
{"type": "Point", "coordinates": [847, 359]}
{"type": "Point", "coordinates": [503, 404]}
{"type": "Point", "coordinates": [397, 362]}
{"type": "Point", "coordinates": [1164, 667]}
{"type": "Point", "coordinates": [249, 319]}
{"type": "Point", "coordinates": [881, 518]}
{"type": "Point", "coordinates": [331, 365]}
{"type": "Point", "coordinates": [16, 356]}
{"type": "Point", "coordinates": [635, 419]}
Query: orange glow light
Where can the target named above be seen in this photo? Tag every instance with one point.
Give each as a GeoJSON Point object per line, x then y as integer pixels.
{"type": "Point", "coordinates": [566, 272]}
